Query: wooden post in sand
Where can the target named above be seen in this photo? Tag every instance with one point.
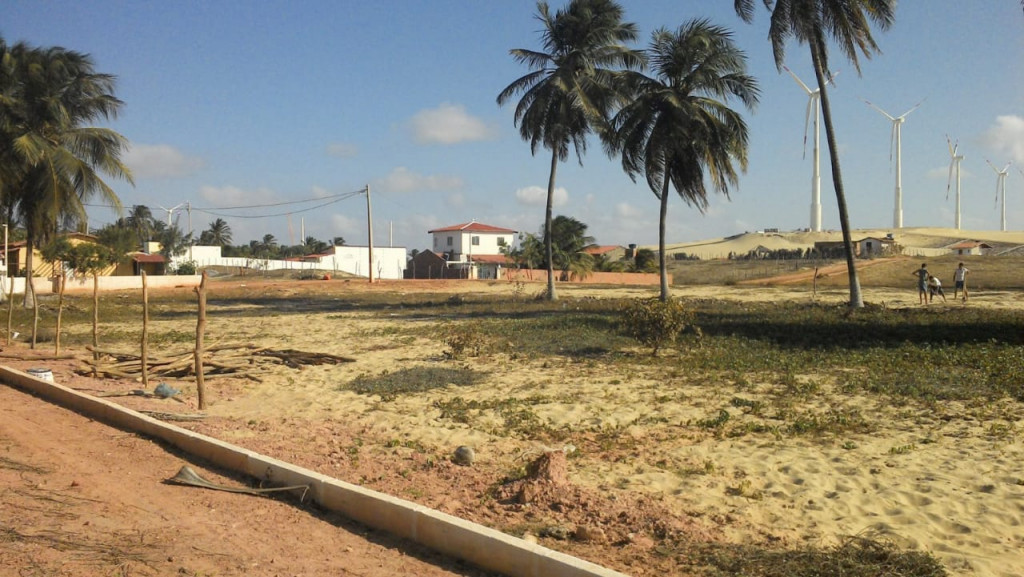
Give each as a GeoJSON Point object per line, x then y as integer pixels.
{"type": "Point", "coordinates": [60, 312]}
{"type": "Point", "coordinates": [10, 307]}
{"type": "Point", "coordinates": [200, 328]}
{"type": "Point", "coordinates": [144, 357]}
{"type": "Point", "coordinates": [815, 294]}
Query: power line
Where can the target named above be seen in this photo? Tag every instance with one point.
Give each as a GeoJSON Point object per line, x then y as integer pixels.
{"type": "Point", "coordinates": [334, 198]}
{"type": "Point", "coordinates": [339, 196]}
{"type": "Point", "coordinates": [214, 213]}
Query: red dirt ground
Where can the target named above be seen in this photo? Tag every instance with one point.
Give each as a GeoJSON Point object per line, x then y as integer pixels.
{"type": "Point", "coordinates": [84, 499]}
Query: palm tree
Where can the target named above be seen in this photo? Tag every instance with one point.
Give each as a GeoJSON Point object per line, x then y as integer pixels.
{"type": "Point", "coordinates": [51, 160]}
{"type": "Point", "coordinates": [813, 22]}
{"type": "Point", "coordinates": [567, 93]}
{"type": "Point", "coordinates": [569, 240]}
{"type": "Point", "coordinates": [677, 129]}
{"type": "Point", "coordinates": [140, 221]}
{"type": "Point", "coordinates": [219, 234]}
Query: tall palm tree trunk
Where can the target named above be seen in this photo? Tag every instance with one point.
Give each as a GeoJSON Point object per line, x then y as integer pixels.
{"type": "Point", "coordinates": [856, 299]}
{"type": "Point", "coordinates": [548, 237]}
{"type": "Point", "coordinates": [662, 218]}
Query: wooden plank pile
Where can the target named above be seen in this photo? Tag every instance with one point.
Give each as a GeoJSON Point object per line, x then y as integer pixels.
{"type": "Point", "coordinates": [229, 360]}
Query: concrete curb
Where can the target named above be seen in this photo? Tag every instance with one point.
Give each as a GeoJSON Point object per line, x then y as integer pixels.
{"type": "Point", "coordinates": [452, 536]}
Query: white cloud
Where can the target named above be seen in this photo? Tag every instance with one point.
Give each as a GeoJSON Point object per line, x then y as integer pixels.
{"type": "Point", "coordinates": [448, 124]}
{"type": "Point", "coordinates": [342, 150]}
{"type": "Point", "coordinates": [456, 200]}
{"type": "Point", "coordinates": [1006, 138]}
{"type": "Point", "coordinates": [538, 196]}
{"type": "Point", "coordinates": [225, 196]}
{"type": "Point", "coordinates": [402, 179]}
{"type": "Point", "coordinates": [160, 161]}
{"type": "Point", "coordinates": [349, 227]}
{"type": "Point", "coordinates": [626, 210]}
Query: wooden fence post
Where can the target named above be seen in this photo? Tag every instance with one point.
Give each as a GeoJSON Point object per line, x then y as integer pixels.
{"type": "Point", "coordinates": [145, 332]}
{"type": "Point", "coordinates": [200, 328]}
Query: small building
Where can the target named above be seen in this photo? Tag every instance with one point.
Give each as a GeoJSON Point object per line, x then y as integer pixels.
{"type": "Point", "coordinates": [17, 257]}
{"type": "Point", "coordinates": [873, 246]}
{"type": "Point", "coordinates": [970, 248]}
{"type": "Point", "coordinates": [139, 262]}
{"type": "Point", "coordinates": [432, 265]}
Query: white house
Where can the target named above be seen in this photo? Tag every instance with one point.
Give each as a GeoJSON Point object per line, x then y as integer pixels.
{"type": "Point", "coordinates": [475, 246]}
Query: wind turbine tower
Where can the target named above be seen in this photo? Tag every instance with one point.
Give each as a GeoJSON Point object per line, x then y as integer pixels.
{"type": "Point", "coordinates": [954, 166]}
{"type": "Point", "coordinates": [896, 140]}
{"type": "Point", "coordinates": [813, 107]}
{"type": "Point", "coordinates": [1001, 190]}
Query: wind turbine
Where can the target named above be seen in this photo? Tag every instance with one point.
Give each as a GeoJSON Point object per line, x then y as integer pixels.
{"type": "Point", "coordinates": [954, 165]}
{"type": "Point", "coordinates": [1001, 189]}
{"type": "Point", "coordinates": [813, 97]}
{"type": "Point", "coordinates": [170, 211]}
{"type": "Point", "coordinates": [897, 123]}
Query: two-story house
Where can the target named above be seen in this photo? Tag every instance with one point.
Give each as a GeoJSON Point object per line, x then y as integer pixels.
{"type": "Point", "coordinates": [473, 249]}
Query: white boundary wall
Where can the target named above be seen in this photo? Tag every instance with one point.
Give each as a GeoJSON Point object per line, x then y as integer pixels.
{"type": "Point", "coordinates": [389, 262]}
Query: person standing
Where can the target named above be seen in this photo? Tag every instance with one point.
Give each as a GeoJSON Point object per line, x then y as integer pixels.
{"type": "Point", "coordinates": [960, 280]}
{"type": "Point", "coordinates": [922, 283]}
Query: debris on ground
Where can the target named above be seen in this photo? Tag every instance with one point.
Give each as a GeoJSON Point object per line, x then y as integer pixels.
{"type": "Point", "coordinates": [234, 360]}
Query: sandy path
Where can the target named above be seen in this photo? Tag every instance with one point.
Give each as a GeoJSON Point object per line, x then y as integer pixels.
{"type": "Point", "coordinates": [81, 498]}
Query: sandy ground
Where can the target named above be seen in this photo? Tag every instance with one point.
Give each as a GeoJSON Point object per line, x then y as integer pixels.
{"type": "Point", "coordinates": [640, 470]}
{"type": "Point", "coordinates": [81, 498]}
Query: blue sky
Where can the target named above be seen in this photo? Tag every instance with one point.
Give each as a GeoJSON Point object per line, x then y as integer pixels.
{"type": "Point", "coordinates": [233, 104]}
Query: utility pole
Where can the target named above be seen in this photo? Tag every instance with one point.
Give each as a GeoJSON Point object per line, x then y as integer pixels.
{"type": "Point", "coordinates": [191, 241]}
{"type": "Point", "coordinates": [369, 231]}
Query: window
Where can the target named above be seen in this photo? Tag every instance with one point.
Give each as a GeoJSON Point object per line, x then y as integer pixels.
{"type": "Point", "coordinates": [476, 241]}
{"type": "Point", "coordinates": [449, 241]}
{"type": "Point", "coordinates": [501, 241]}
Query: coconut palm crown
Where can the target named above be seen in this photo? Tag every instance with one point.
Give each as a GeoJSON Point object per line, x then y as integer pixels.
{"type": "Point", "coordinates": [569, 90]}
{"type": "Point", "coordinates": [678, 130]}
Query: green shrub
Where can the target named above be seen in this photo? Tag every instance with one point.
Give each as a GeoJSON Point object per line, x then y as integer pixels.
{"type": "Point", "coordinates": [187, 267]}
{"type": "Point", "coordinates": [655, 323]}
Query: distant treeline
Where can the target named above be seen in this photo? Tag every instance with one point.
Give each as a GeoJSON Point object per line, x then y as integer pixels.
{"type": "Point", "coordinates": [810, 253]}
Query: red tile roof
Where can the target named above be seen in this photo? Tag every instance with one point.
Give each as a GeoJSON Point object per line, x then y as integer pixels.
{"type": "Point", "coordinates": [473, 227]}
{"type": "Point", "coordinates": [601, 249]}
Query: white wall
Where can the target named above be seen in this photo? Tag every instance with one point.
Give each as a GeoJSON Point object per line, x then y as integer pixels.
{"type": "Point", "coordinates": [389, 262]}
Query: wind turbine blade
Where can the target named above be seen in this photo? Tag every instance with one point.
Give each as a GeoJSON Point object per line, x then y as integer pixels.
{"type": "Point", "coordinates": [811, 103]}
{"type": "Point", "coordinates": [892, 141]}
{"type": "Point", "coordinates": [798, 81]}
{"type": "Point", "coordinates": [996, 170]}
{"type": "Point", "coordinates": [831, 77]}
{"type": "Point", "coordinates": [952, 151]}
{"type": "Point", "coordinates": [949, 180]}
{"type": "Point", "coordinates": [916, 106]}
{"type": "Point", "coordinates": [884, 113]}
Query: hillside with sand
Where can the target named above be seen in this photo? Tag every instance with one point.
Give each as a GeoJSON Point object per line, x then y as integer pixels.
{"type": "Point", "coordinates": [915, 241]}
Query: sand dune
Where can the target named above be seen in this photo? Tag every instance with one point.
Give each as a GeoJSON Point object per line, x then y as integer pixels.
{"type": "Point", "coordinates": [926, 241]}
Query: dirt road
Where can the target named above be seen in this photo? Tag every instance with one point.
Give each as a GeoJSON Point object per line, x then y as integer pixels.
{"type": "Point", "coordinates": [84, 499]}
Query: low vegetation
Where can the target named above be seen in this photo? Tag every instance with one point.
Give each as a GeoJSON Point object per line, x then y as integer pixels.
{"type": "Point", "coordinates": [772, 363]}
